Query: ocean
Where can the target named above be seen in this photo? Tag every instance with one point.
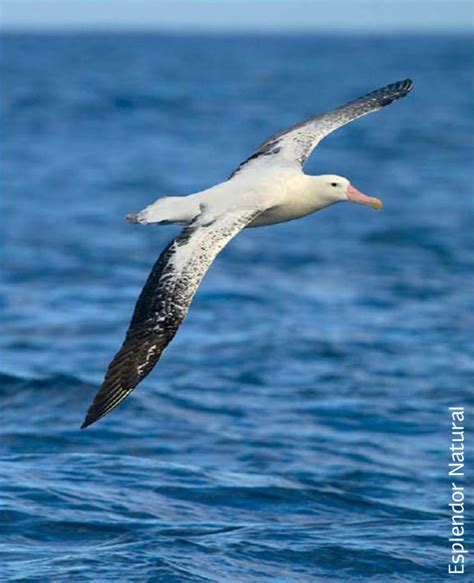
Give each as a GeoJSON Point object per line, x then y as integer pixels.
{"type": "Point", "coordinates": [297, 429]}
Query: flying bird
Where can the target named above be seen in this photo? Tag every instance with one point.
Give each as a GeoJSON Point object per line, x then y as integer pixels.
{"type": "Point", "coordinates": [267, 188]}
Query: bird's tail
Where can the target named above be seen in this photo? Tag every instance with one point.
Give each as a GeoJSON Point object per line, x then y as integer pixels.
{"type": "Point", "coordinates": [166, 210]}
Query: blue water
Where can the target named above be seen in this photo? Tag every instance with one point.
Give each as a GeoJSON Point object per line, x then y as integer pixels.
{"type": "Point", "coordinates": [297, 429]}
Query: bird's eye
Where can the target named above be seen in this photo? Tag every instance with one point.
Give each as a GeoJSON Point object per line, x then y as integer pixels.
{"type": "Point", "coordinates": [333, 183]}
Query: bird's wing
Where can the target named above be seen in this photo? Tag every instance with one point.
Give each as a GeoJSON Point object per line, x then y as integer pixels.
{"type": "Point", "coordinates": [293, 146]}
{"type": "Point", "coordinates": [164, 302]}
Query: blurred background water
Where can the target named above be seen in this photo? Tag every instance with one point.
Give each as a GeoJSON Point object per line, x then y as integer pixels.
{"type": "Point", "coordinates": [297, 428]}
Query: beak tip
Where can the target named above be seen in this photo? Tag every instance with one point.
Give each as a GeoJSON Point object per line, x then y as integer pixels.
{"type": "Point", "coordinates": [359, 197]}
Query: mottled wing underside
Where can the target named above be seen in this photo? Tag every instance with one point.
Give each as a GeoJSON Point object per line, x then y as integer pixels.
{"type": "Point", "coordinates": [294, 145]}
{"type": "Point", "coordinates": [163, 304]}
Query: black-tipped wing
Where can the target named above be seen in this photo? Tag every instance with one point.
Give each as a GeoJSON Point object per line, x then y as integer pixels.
{"type": "Point", "coordinates": [164, 302]}
{"type": "Point", "coordinates": [294, 145]}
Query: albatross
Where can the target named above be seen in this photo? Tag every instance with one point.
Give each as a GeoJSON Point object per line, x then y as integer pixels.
{"type": "Point", "coordinates": [267, 188]}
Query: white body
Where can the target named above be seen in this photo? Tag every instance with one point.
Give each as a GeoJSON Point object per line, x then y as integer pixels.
{"type": "Point", "coordinates": [286, 193]}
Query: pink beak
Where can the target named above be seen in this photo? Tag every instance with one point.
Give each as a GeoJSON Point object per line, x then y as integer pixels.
{"type": "Point", "coordinates": [355, 196]}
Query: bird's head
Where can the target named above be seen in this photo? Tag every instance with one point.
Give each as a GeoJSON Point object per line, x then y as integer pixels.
{"type": "Point", "coordinates": [331, 188]}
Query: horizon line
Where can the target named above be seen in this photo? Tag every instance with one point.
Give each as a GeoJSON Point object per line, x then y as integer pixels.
{"type": "Point", "coordinates": [228, 31]}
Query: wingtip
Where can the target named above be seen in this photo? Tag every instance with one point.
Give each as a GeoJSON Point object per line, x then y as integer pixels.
{"type": "Point", "coordinates": [406, 85]}
{"type": "Point", "coordinates": [87, 421]}
{"type": "Point", "coordinates": [390, 93]}
{"type": "Point", "coordinates": [93, 415]}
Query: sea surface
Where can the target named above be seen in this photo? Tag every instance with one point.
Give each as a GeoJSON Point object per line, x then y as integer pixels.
{"type": "Point", "coordinates": [297, 429]}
